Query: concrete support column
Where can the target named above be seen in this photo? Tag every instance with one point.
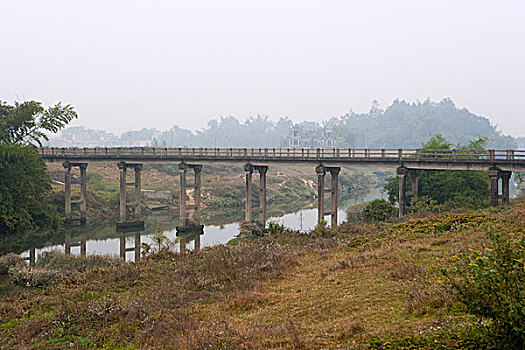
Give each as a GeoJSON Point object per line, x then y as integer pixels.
{"type": "Point", "coordinates": [137, 246]}
{"type": "Point", "coordinates": [184, 217]}
{"type": "Point", "coordinates": [138, 191]}
{"type": "Point", "coordinates": [494, 174]}
{"type": "Point", "coordinates": [32, 256]}
{"type": "Point", "coordinates": [197, 242]}
{"type": "Point", "coordinates": [123, 247]}
{"type": "Point", "coordinates": [248, 168]}
{"type": "Point", "coordinates": [182, 244]}
{"type": "Point", "coordinates": [83, 192]}
{"type": "Point", "coordinates": [321, 172]}
{"type": "Point", "coordinates": [414, 183]}
{"type": "Point", "coordinates": [83, 244]}
{"type": "Point", "coordinates": [402, 174]}
{"type": "Point", "coordinates": [334, 172]}
{"type": "Point", "coordinates": [197, 169]}
{"type": "Point", "coordinates": [262, 192]}
{"type": "Point", "coordinates": [183, 220]}
{"type": "Point", "coordinates": [122, 207]}
{"type": "Point", "coordinates": [67, 190]}
{"type": "Point", "coordinates": [505, 190]}
{"type": "Point", "coordinates": [68, 182]}
{"type": "Point", "coordinates": [67, 242]}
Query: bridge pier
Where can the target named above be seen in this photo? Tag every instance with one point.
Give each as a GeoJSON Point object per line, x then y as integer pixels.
{"type": "Point", "coordinates": [248, 208]}
{"type": "Point", "coordinates": [188, 235]}
{"type": "Point", "coordinates": [32, 256]}
{"type": "Point", "coordinates": [123, 166]}
{"type": "Point", "coordinates": [248, 169]}
{"type": "Point", "coordinates": [402, 175]}
{"type": "Point", "coordinates": [321, 190]}
{"type": "Point", "coordinates": [494, 175]}
{"type": "Point", "coordinates": [414, 188]}
{"type": "Point", "coordinates": [262, 169]}
{"type": "Point", "coordinates": [505, 184]}
{"type": "Point", "coordinates": [183, 206]}
{"type": "Point", "coordinates": [83, 191]}
{"type": "Point", "coordinates": [136, 247]}
{"type": "Point", "coordinates": [68, 244]}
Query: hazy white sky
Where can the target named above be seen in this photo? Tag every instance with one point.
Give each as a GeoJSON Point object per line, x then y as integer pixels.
{"type": "Point", "coordinates": [133, 64]}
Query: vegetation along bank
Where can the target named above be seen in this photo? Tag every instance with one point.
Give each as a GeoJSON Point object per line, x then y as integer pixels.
{"type": "Point", "coordinates": [441, 281]}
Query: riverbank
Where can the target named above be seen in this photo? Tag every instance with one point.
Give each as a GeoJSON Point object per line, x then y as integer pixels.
{"type": "Point", "coordinates": [356, 286]}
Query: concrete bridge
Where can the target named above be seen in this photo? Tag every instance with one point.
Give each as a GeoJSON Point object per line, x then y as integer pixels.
{"type": "Point", "coordinates": [498, 163]}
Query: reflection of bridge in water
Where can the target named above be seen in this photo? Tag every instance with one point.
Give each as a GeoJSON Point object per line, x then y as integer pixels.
{"type": "Point", "coordinates": [498, 163]}
{"type": "Point", "coordinates": [75, 241]}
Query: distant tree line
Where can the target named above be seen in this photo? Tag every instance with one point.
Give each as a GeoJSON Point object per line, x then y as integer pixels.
{"type": "Point", "coordinates": [400, 125]}
{"type": "Point", "coordinates": [409, 125]}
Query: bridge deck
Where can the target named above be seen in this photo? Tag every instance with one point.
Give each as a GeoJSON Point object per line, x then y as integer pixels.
{"type": "Point", "coordinates": [512, 160]}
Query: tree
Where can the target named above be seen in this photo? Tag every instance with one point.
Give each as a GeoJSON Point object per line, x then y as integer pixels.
{"type": "Point", "coordinates": [24, 189]}
{"type": "Point", "coordinates": [24, 183]}
{"type": "Point", "coordinates": [27, 123]}
{"type": "Point", "coordinates": [455, 188]}
{"type": "Point", "coordinates": [379, 210]}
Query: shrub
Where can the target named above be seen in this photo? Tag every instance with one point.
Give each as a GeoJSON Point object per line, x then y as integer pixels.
{"type": "Point", "coordinates": [274, 227]}
{"type": "Point", "coordinates": [490, 284]}
{"type": "Point", "coordinates": [379, 210]}
{"type": "Point", "coordinates": [424, 204]}
{"type": "Point", "coordinates": [321, 224]}
{"type": "Point", "coordinates": [53, 267]}
{"type": "Point", "coordinates": [161, 243]}
{"type": "Point", "coordinates": [10, 260]}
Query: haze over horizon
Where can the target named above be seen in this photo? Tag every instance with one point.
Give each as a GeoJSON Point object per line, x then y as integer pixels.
{"type": "Point", "coordinates": [128, 64]}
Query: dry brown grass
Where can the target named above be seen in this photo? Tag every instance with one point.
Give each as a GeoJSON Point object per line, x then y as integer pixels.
{"type": "Point", "coordinates": [294, 291]}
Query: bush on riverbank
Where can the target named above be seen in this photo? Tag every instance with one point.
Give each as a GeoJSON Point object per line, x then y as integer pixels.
{"type": "Point", "coordinates": [379, 210]}
{"type": "Point", "coordinates": [53, 267]}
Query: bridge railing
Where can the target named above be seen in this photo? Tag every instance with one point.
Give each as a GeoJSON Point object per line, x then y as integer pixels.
{"type": "Point", "coordinates": [287, 153]}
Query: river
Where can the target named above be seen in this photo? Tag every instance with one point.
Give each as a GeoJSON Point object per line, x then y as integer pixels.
{"type": "Point", "coordinates": [104, 240]}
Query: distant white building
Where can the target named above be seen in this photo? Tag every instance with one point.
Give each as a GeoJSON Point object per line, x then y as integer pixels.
{"type": "Point", "coordinates": [310, 135]}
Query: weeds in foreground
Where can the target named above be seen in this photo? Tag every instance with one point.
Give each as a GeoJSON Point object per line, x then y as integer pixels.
{"type": "Point", "coordinates": [490, 284]}
{"type": "Point", "coordinates": [161, 244]}
{"type": "Point", "coordinates": [112, 303]}
{"type": "Point", "coordinates": [274, 227]}
{"type": "Point", "coordinates": [54, 267]}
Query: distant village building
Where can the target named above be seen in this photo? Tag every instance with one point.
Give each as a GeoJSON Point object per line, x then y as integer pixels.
{"type": "Point", "coordinates": [310, 135]}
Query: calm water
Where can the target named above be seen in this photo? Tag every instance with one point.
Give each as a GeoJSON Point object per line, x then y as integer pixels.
{"type": "Point", "coordinates": [104, 239]}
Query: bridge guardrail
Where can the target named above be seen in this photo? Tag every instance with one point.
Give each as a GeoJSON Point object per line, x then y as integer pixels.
{"type": "Point", "coordinates": [300, 153]}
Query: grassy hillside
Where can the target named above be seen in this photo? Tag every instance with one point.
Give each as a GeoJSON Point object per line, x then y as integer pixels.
{"type": "Point", "coordinates": [357, 286]}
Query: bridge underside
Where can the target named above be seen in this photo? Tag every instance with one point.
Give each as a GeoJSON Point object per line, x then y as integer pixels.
{"type": "Point", "coordinates": [330, 162]}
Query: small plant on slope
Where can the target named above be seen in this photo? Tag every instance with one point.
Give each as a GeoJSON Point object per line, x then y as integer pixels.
{"type": "Point", "coordinates": [491, 285]}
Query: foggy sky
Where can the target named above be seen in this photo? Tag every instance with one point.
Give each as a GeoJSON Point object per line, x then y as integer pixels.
{"type": "Point", "coordinates": [134, 64]}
